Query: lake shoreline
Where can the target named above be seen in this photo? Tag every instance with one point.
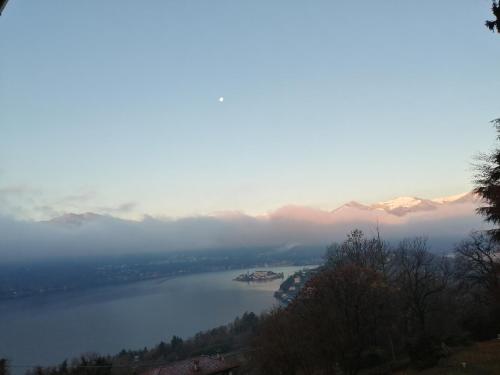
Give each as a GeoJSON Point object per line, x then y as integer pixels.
{"type": "Point", "coordinates": [45, 330]}
{"type": "Point", "coordinates": [132, 282]}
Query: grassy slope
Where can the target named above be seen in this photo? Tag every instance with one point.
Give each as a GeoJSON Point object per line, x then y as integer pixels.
{"type": "Point", "coordinates": [481, 359]}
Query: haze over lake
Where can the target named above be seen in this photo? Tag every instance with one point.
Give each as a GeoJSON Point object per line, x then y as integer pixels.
{"type": "Point", "coordinates": [48, 329]}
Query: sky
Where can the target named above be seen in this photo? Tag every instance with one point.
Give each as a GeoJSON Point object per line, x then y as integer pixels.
{"type": "Point", "coordinates": [113, 106]}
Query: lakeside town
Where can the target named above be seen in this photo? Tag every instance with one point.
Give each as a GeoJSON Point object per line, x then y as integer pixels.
{"type": "Point", "coordinates": [293, 284]}
{"type": "Point", "coordinates": [288, 289]}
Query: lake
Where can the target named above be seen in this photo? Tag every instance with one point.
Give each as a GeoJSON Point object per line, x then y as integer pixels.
{"type": "Point", "coordinates": [46, 330]}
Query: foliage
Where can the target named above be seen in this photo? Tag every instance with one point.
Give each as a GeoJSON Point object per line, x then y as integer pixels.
{"type": "Point", "coordinates": [4, 368]}
{"type": "Point", "coordinates": [373, 305]}
{"type": "Point", "coordinates": [91, 364]}
{"type": "Point", "coordinates": [495, 24]}
{"type": "Point", "coordinates": [231, 337]}
{"type": "Point", "coordinates": [487, 182]}
{"type": "Point", "coordinates": [359, 250]}
{"type": "Point", "coordinates": [477, 267]}
{"type": "Point", "coordinates": [479, 358]}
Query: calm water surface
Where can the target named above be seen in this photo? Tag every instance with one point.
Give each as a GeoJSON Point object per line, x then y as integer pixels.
{"type": "Point", "coordinates": [46, 330]}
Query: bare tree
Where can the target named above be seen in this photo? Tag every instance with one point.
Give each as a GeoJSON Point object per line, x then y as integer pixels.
{"type": "Point", "coordinates": [335, 322]}
{"type": "Point", "coordinates": [477, 271]}
{"type": "Point", "coordinates": [478, 265]}
{"type": "Point", "coordinates": [361, 251]}
{"type": "Point", "coordinates": [421, 278]}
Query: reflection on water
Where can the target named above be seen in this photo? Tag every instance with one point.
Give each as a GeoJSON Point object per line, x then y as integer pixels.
{"type": "Point", "coordinates": [46, 330]}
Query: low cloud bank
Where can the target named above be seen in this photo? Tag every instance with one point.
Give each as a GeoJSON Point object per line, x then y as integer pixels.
{"type": "Point", "coordinates": [76, 235]}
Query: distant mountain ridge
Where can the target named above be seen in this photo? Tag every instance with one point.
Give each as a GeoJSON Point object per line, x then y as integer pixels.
{"type": "Point", "coordinates": [395, 211]}
{"type": "Point", "coordinates": [390, 210]}
{"type": "Point", "coordinates": [75, 220]}
{"type": "Point", "coordinates": [404, 205]}
{"type": "Point", "coordinates": [445, 221]}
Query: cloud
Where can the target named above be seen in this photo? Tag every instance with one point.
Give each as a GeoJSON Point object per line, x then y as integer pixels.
{"type": "Point", "coordinates": [79, 198]}
{"type": "Point", "coordinates": [103, 234]}
{"type": "Point", "coordinates": [120, 209]}
{"type": "Point", "coordinates": [17, 200]}
{"type": "Point", "coordinates": [28, 203]}
{"type": "Point", "coordinates": [15, 190]}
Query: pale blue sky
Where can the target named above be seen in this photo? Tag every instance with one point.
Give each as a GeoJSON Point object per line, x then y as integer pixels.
{"type": "Point", "coordinates": [112, 106]}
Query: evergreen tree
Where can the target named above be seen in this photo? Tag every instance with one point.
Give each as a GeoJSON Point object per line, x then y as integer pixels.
{"type": "Point", "coordinates": [4, 368]}
{"type": "Point", "coordinates": [488, 186]}
{"type": "Point", "coordinates": [495, 24]}
{"type": "Point", "coordinates": [176, 342]}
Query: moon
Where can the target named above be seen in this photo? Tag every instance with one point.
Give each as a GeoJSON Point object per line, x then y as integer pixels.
{"type": "Point", "coordinates": [221, 99]}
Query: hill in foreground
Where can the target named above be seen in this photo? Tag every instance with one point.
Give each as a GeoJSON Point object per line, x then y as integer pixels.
{"type": "Point", "coordinates": [482, 358]}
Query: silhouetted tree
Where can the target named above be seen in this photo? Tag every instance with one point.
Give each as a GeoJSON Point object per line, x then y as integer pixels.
{"type": "Point", "coordinates": [359, 250]}
{"type": "Point", "coordinates": [176, 342]}
{"type": "Point", "coordinates": [427, 307]}
{"type": "Point", "coordinates": [477, 270]}
{"type": "Point", "coordinates": [478, 264]}
{"type": "Point", "coordinates": [91, 364]}
{"type": "Point", "coordinates": [495, 24]}
{"type": "Point", "coordinates": [4, 367]}
{"type": "Point", "coordinates": [487, 182]}
{"type": "Point", "coordinates": [421, 277]}
{"type": "Point", "coordinates": [279, 345]}
{"type": "Point", "coordinates": [341, 320]}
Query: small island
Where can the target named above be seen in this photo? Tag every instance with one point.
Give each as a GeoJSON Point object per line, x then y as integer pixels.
{"type": "Point", "coordinates": [259, 276]}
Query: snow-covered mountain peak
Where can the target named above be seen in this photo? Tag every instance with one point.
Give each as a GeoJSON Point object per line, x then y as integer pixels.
{"type": "Point", "coordinates": [403, 205]}
{"type": "Point", "coordinates": [399, 202]}
{"type": "Point", "coordinates": [456, 198]}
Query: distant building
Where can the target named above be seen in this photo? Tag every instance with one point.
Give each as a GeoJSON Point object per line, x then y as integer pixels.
{"type": "Point", "coordinates": [292, 286]}
{"type": "Point", "coordinates": [202, 365]}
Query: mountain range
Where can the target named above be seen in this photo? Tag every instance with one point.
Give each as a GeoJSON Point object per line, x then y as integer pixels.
{"type": "Point", "coordinates": [444, 221]}
{"type": "Point", "coordinates": [387, 211]}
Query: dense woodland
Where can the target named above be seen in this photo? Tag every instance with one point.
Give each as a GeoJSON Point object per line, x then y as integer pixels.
{"type": "Point", "coordinates": [377, 306]}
